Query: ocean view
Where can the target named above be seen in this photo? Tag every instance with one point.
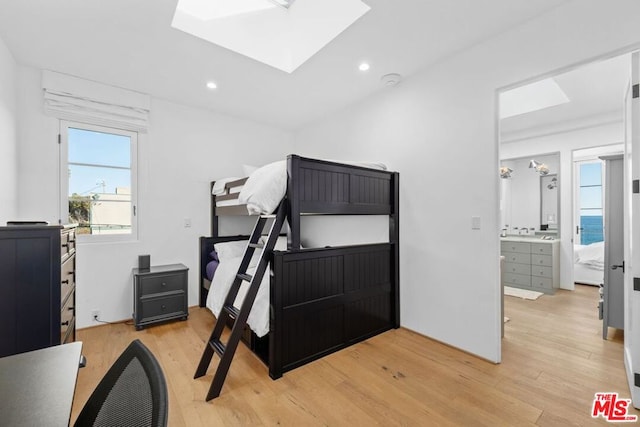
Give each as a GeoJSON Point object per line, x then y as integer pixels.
{"type": "Point", "coordinates": [592, 229]}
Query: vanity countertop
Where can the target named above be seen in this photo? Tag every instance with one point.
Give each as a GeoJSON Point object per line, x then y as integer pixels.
{"type": "Point", "coordinates": [530, 239]}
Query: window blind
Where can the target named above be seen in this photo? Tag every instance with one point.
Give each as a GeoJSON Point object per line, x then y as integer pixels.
{"type": "Point", "coordinates": [72, 98]}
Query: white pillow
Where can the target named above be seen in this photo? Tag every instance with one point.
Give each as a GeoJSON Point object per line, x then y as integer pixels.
{"type": "Point", "coordinates": [265, 188]}
{"type": "Point", "coordinates": [235, 251]}
{"type": "Point", "coordinates": [230, 250]}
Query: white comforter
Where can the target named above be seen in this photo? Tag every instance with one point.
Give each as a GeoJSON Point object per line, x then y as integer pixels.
{"type": "Point", "coordinates": [258, 319]}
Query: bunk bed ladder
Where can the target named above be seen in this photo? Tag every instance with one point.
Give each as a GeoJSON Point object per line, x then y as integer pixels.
{"type": "Point", "coordinates": [239, 317]}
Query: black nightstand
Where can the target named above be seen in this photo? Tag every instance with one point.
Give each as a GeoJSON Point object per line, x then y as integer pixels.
{"type": "Point", "coordinates": [159, 294]}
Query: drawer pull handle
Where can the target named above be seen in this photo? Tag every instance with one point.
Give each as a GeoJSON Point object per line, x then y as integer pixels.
{"type": "Point", "coordinates": [70, 273]}
{"type": "Point", "coordinates": [64, 323]}
{"type": "Point", "coordinates": [71, 308]}
{"type": "Point", "coordinates": [65, 245]}
{"type": "Point", "coordinates": [65, 281]}
{"type": "Point", "coordinates": [164, 284]}
{"type": "Point", "coordinates": [164, 306]}
{"type": "Point", "coordinates": [72, 241]}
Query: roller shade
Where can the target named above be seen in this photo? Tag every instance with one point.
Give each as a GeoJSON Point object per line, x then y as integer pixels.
{"type": "Point", "coordinates": [72, 98]}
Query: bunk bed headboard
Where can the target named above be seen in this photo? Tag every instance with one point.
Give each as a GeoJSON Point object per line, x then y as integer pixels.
{"type": "Point", "coordinates": [324, 187]}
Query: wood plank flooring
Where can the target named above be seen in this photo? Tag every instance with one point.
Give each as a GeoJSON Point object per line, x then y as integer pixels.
{"type": "Point", "coordinates": [554, 360]}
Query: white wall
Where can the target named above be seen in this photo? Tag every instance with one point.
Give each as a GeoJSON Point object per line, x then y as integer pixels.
{"type": "Point", "coordinates": [438, 129]}
{"type": "Point", "coordinates": [184, 150]}
{"type": "Point", "coordinates": [8, 136]}
{"type": "Point", "coordinates": [566, 143]}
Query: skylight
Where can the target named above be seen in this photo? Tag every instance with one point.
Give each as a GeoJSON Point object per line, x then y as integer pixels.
{"type": "Point", "coordinates": [280, 33]}
{"type": "Point", "coordinates": [532, 97]}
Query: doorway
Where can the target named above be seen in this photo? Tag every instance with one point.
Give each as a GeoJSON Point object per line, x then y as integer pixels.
{"type": "Point", "coordinates": [568, 113]}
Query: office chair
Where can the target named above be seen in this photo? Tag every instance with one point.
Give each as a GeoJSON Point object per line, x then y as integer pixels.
{"type": "Point", "coordinates": [132, 393]}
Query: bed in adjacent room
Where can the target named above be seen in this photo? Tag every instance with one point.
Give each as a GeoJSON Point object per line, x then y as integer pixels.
{"type": "Point", "coordinates": [588, 266]}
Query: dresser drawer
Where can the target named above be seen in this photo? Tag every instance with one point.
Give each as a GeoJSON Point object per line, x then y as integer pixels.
{"type": "Point", "coordinates": [541, 271]}
{"type": "Point", "coordinates": [67, 318]}
{"type": "Point", "coordinates": [67, 242]}
{"type": "Point", "coordinates": [545, 283]}
{"type": "Point", "coordinates": [545, 260]}
{"type": "Point", "coordinates": [512, 257]}
{"type": "Point", "coordinates": [517, 268]}
{"type": "Point", "coordinates": [165, 306]}
{"type": "Point", "coordinates": [516, 279]}
{"type": "Point", "coordinates": [520, 247]}
{"type": "Point", "coordinates": [162, 283]}
{"type": "Point", "coordinates": [67, 278]}
{"type": "Point", "coordinates": [541, 249]}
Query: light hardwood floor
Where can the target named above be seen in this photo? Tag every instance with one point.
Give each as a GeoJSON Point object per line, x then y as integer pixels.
{"type": "Point", "coordinates": [554, 360]}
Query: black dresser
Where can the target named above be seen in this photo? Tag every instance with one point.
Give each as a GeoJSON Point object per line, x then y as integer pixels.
{"type": "Point", "coordinates": [37, 287]}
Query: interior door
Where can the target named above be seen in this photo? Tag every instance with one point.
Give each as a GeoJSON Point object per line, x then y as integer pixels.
{"type": "Point", "coordinates": [632, 229]}
{"type": "Point", "coordinates": [614, 266]}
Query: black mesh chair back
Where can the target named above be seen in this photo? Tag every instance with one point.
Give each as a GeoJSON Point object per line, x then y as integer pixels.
{"type": "Point", "coordinates": [132, 393]}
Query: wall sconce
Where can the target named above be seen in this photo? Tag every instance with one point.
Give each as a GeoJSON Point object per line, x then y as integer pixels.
{"type": "Point", "coordinates": [541, 168]}
{"type": "Point", "coordinates": [505, 172]}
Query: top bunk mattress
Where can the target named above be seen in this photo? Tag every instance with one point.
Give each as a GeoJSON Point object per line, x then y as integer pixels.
{"type": "Point", "coordinates": [339, 182]}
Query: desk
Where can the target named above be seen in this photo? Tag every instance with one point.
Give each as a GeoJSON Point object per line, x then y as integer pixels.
{"type": "Point", "coordinates": [37, 387]}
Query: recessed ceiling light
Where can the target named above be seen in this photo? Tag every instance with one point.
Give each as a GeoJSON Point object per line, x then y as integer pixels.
{"type": "Point", "coordinates": [364, 66]}
{"type": "Point", "coordinates": [212, 85]}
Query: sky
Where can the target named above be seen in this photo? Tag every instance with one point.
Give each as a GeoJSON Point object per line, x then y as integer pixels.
{"type": "Point", "coordinates": [590, 197]}
{"type": "Point", "coordinates": [100, 149]}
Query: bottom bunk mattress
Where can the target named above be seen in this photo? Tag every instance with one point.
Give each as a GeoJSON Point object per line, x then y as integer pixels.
{"type": "Point", "coordinates": [317, 301]}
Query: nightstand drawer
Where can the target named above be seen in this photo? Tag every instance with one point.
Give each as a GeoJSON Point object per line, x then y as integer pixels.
{"type": "Point", "coordinates": [162, 283]}
{"type": "Point", "coordinates": [161, 307]}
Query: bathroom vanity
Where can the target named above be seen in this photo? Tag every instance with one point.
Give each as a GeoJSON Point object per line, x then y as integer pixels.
{"type": "Point", "coordinates": [531, 263]}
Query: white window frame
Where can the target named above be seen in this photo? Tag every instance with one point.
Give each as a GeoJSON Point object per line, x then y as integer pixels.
{"type": "Point", "coordinates": [64, 180]}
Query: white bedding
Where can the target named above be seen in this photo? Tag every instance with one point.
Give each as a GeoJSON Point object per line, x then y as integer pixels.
{"type": "Point", "coordinates": [267, 186]}
{"type": "Point", "coordinates": [589, 263]}
{"type": "Point", "coordinates": [230, 255]}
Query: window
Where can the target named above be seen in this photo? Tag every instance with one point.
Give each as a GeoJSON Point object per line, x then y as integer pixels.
{"type": "Point", "coordinates": [98, 181]}
{"type": "Point", "coordinates": [591, 225]}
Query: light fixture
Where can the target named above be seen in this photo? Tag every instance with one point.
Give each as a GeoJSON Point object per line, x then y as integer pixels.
{"type": "Point", "coordinates": [391, 79]}
{"type": "Point", "coordinates": [212, 85]}
{"type": "Point", "coordinates": [505, 172]}
{"type": "Point", "coordinates": [541, 168]}
{"type": "Point", "coordinates": [284, 3]}
{"type": "Point", "coordinates": [364, 66]}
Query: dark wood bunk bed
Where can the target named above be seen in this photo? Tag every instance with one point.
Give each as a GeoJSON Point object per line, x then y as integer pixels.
{"type": "Point", "coordinates": [323, 299]}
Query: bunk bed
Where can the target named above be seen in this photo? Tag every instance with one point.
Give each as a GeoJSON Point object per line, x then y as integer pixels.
{"type": "Point", "coordinates": [324, 299]}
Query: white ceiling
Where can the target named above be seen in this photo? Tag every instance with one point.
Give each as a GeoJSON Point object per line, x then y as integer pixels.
{"type": "Point", "coordinates": [130, 44]}
{"type": "Point", "coordinates": [595, 93]}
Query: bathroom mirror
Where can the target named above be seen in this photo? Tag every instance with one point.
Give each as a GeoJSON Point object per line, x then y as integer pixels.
{"type": "Point", "coordinates": [549, 202]}
{"type": "Point", "coordinates": [527, 204]}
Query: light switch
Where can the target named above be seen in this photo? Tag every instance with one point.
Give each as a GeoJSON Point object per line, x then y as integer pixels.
{"type": "Point", "coordinates": [475, 223]}
{"type": "Point", "coordinates": [187, 222]}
